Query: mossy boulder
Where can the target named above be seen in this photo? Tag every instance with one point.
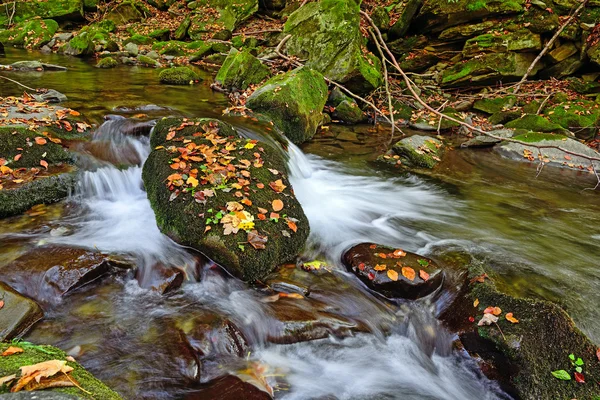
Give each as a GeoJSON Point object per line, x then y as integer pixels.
{"type": "Point", "coordinates": [240, 70]}
{"type": "Point", "coordinates": [498, 104]}
{"type": "Point", "coordinates": [59, 10]}
{"type": "Point", "coordinates": [535, 123]}
{"type": "Point", "coordinates": [229, 197]}
{"type": "Point", "coordinates": [489, 69]}
{"type": "Point", "coordinates": [381, 18]}
{"type": "Point", "coordinates": [348, 111]}
{"type": "Point", "coordinates": [126, 12]}
{"type": "Point", "coordinates": [523, 354]}
{"type": "Point", "coordinates": [147, 61]}
{"type": "Point", "coordinates": [30, 34]}
{"type": "Point", "coordinates": [22, 189]}
{"type": "Point", "coordinates": [405, 11]}
{"type": "Point", "coordinates": [437, 15]}
{"type": "Point", "coordinates": [580, 117]}
{"type": "Point", "coordinates": [178, 76]}
{"type": "Point", "coordinates": [107, 62]}
{"type": "Point", "coordinates": [182, 30]}
{"type": "Point", "coordinates": [327, 35]}
{"type": "Point", "coordinates": [219, 15]}
{"type": "Point", "coordinates": [139, 39]}
{"type": "Point", "coordinates": [33, 354]}
{"type": "Point", "coordinates": [293, 101]}
{"type": "Point", "coordinates": [84, 44]}
{"type": "Point", "coordinates": [522, 40]}
{"type": "Point", "coordinates": [18, 314]}
{"type": "Point", "coordinates": [171, 48]}
{"type": "Point", "coordinates": [419, 151]}
{"type": "Point", "coordinates": [466, 31]}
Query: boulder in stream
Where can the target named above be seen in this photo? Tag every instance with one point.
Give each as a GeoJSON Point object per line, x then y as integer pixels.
{"type": "Point", "coordinates": [31, 34]}
{"type": "Point", "coordinates": [415, 152]}
{"type": "Point", "coordinates": [293, 101]}
{"type": "Point", "coordinates": [17, 314]}
{"type": "Point", "coordinates": [225, 196]}
{"type": "Point", "coordinates": [228, 387]}
{"type": "Point", "coordinates": [394, 273]}
{"type": "Point", "coordinates": [240, 70]}
{"type": "Point", "coordinates": [178, 76]}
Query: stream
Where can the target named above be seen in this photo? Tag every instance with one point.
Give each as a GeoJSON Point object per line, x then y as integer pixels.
{"type": "Point", "coordinates": [540, 235]}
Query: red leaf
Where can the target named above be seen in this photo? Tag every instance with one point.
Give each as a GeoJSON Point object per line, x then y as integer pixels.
{"type": "Point", "coordinates": [598, 353]}
{"type": "Point", "coordinates": [579, 378]}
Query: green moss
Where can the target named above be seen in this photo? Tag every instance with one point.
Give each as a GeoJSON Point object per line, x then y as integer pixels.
{"type": "Point", "coordinates": [139, 39]}
{"type": "Point", "coordinates": [171, 48]}
{"type": "Point", "coordinates": [293, 101]}
{"type": "Point", "coordinates": [145, 60]}
{"type": "Point", "coordinates": [419, 151]}
{"type": "Point", "coordinates": [534, 137]}
{"type": "Point", "coordinates": [160, 34]}
{"type": "Point", "coordinates": [535, 123]}
{"type": "Point", "coordinates": [495, 105]}
{"type": "Point", "coordinates": [107, 62]}
{"type": "Point", "coordinates": [178, 76]}
{"type": "Point", "coordinates": [31, 34]}
{"type": "Point", "coordinates": [13, 138]}
{"type": "Point", "coordinates": [36, 354]}
{"type": "Point", "coordinates": [240, 70]}
{"type": "Point", "coordinates": [59, 10]}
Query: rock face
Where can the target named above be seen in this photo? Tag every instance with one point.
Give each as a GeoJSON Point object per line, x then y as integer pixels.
{"type": "Point", "coordinates": [18, 313]}
{"type": "Point", "coordinates": [50, 272]}
{"type": "Point", "coordinates": [240, 70]}
{"type": "Point", "coordinates": [227, 197]}
{"type": "Point", "coordinates": [293, 101]}
{"type": "Point", "coordinates": [393, 273]}
{"type": "Point", "coordinates": [327, 35]}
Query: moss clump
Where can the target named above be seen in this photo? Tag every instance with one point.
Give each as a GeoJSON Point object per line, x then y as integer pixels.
{"type": "Point", "coordinates": [145, 60]}
{"type": "Point", "coordinates": [293, 101]}
{"type": "Point", "coordinates": [178, 76]}
{"type": "Point", "coordinates": [139, 39]}
{"type": "Point", "coordinates": [535, 123]}
{"type": "Point", "coordinates": [160, 34]}
{"type": "Point", "coordinates": [31, 34]}
{"type": "Point", "coordinates": [492, 106]}
{"type": "Point", "coordinates": [13, 138]}
{"type": "Point", "coordinates": [107, 62]}
{"type": "Point", "coordinates": [348, 111]}
{"type": "Point", "coordinates": [185, 217]}
{"type": "Point", "coordinates": [228, 16]}
{"type": "Point", "coordinates": [172, 48]}
{"type": "Point", "coordinates": [34, 354]}
{"type": "Point", "coordinates": [581, 117]}
{"type": "Point", "coordinates": [240, 70]}
{"type": "Point", "coordinates": [522, 40]}
{"type": "Point", "coordinates": [534, 137]}
{"type": "Point", "coordinates": [419, 151]}
{"type": "Point", "coordinates": [60, 10]}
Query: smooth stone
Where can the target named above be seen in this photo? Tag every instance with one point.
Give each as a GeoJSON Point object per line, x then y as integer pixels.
{"type": "Point", "coordinates": [132, 49]}
{"type": "Point", "coordinates": [51, 96]}
{"type": "Point", "coordinates": [18, 314]}
{"type": "Point", "coordinates": [228, 387]}
{"type": "Point", "coordinates": [161, 278]}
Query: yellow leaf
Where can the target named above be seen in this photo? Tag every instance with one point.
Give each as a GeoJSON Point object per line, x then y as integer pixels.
{"type": "Point", "coordinates": [291, 295]}
{"type": "Point", "coordinates": [393, 275]}
{"type": "Point", "coordinates": [408, 273]}
{"type": "Point", "coordinates": [380, 267]}
{"type": "Point", "coordinates": [476, 303]}
{"type": "Point", "coordinates": [40, 370]}
{"type": "Point", "coordinates": [12, 350]}
{"type": "Point", "coordinates": [192, 181]}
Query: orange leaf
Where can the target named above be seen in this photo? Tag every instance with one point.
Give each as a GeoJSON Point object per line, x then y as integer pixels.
{"type": "Point", "coordinates": [247, 202]}
{"type": "Point", "coordinates": [373, 246]}
{"type": "Point", "coordinates": [510, 318]}
{"type": "Point", "coordinates": [380, 267]}
{"type": "Point", "coordinates": [44, 163]}
{"type": "Point", "coordinates": [277, 186]}
{"type": "Point", "coordinates": [408, 273]}
{"type": "Point", "coordinates": [381, 255]}
{"type": "Point", "coordinates": [424, 275]}
{"type": "Point", "coordinates": [291, 295]}
{"type": "Point", "coordinates": [277, 205]}
{"type": "Point", "coordinates": [393, 275]}
{"type": "Point", "coordinates": [292, 225]}
{"type": "Point", "coordinates": [274, 215]}
{"type": "Point", "coordinates": [18, 157]}
{"type": "Point", "coordinates": [262, 217]}
{"type": "Point", "coordinates": [12, 350]}
{"type": "Point", "coordinates": [1, 304]}
{"type": "Point", "coordinates": [40, 140]}
{"type": "Point", "coordinates": [260, 185]}
{"type": "Point", "coordinates": [170, 135]}
{"type": "Point", "coordinates": [399, 253]}
{"type": "Point", "coordinates": [493, 310]}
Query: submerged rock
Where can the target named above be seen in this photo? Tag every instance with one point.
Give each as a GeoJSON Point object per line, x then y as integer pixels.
{"type": "Point", "coordinates": [107, 62]}
{"type": "Point", "coordinates": [293, 101]}
{"type": "Point", "coordinates": [393, 273]}
{"type": "Point", "coordinates": [33, 354]}
{"type": "Point", "coordinates": [227, 197]}
{"type": "Point", "coordinates": [18, 313]}
{"type": "Point", "coordinates": [418, 151]}
{"type": "Point", "coordinates": [178, 76]}
{"type": "Point", "coordinates": [327, 34]}
{"type": "Point", "coordinates": [228, 387]}
{"type": "Point", "coordinates": [240, 70]}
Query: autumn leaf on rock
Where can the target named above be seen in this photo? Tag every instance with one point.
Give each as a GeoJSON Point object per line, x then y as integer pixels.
{"type": "Point", "coordinates": [7, 379]}
{"type": "Point", "coordinates": [40, 370]}
{"type": "Point", "coordinates": [18, 157]}
{"type": "Point", "coordinates": [170, 135]}
{"type": "Point", "coordinates": [292, 225]}
{"type": "Point", "coordinates": [579, 377]}
{"type": "Point", "coordinates": [291, 295]}
{"type": "Point", "coordinates": [423, 275]}
{"type": "Point", "coordinates": [399, 253]}
{"type": "Point", "coordinates": [40, 140]}
{"type": "Point", "coordinates": [44, 163]}
{"type": "Point", "coordinates": [493, 310]}
{"type": "Point", "coordinates": [277, 186]}
{"type": "Point", "coordinates": [257, 240]}
{"type": "Point", "coordinates": [380, 267]}
{"type": "Point", "coordinates": [487, 319]}
{"type": "Point", "coordinates": [509, 317]}
{"type": "Point", "coordinates": [476, 303]}
{"type": "Point", "coordinates": [277, 205]}
{"type": "Point", "coordinates": [12, 350]}
{"type": "Point", "coordinates": [393, 275]}
{"type": "Point", "coordinates": [408, 273]}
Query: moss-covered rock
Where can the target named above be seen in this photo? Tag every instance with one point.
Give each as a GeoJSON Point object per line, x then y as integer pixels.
{"type": "Point", "coordinates": [147, 61]}
{"type": "Point", "coordinates": [240, 70]}
{"type": "Point", "coordinates": [466, 31]}
{"type": "Point", "coordinates": [33, 354]}
{"type": "Point", "coordinates": [349, 112]}
{"type": "Point", "coordinates": [84, 44]}
{"type": "Point", "coordinates": [535, 123]}
{"type": "Point", "coordinates": [30, 34]}
{"type": "Point", "coordinates": [564, 68]}
{"type": "Point", "coordinates": [419, 151]}
{"type": "Point", "coordinates": [182, 30]}
{"type": "Point", "coordinates": [580, 117]}
{"type": "Point", "coordinates": [405, 10]}
{"type": "Point", "coordinates": [293, 101]}
{"type": "Point", "coordinates": [522, 40]}
{"type": "Point", "coordinates": [219, 15]}
{"type": "Point", "coordinates": [18, 314]}
{"type": "Point", "coordinates": [492, 106]}
{"type": "Point", "coordinates": [437, 15]}
{"type": "Point", "coordinates": [224, 197]}
{"type": "Point", "coordinates": [381, 18]}
{"type": "Point", "coordinates": [524, 354]}
{"type": "Point", "coordinates": [107, 62]}
{"type": "Point", "coordinates": [59, 10]}
{"type": "Point", "coordinates": [562, 52]}
{"type": "Point", "coordinates": [178, 76]}
{"type": "Point", "coordinates": [327, 34]}
{"type": "Point", "coordinates": [489, 69]}
{"type": "Point", "coordinates": [139, 39]}
{"type": "Point", "coordinates": [126, 12]}
{"type": "Point", "coordinates": [171, 48]}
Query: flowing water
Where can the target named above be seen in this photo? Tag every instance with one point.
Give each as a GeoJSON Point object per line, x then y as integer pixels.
{"type": "Point", "coordinates": [540, 235]}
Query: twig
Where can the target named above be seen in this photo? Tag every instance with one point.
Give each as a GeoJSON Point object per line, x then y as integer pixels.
{"type": "Point", "coordinates": [543, 104]}
{"type": "Point", "coordinates": [462, 123]}
{"type": "Point", "coordinates": [549, 44]}
{"type": "Point", "coordinates": [77, 384]}
{"type": "Point", "coordinates": [18, 83]}
{"type": "Point", "coordinates": [498, 326]}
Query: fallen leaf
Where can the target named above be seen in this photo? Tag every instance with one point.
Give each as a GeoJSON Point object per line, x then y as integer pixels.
{"type": "Point", "coordinates": [40, 370]}
{"type": "Point", "coordinates": [399, 253]}
{"type": "Point", "coordinates": [562, 375]}
{"type": "Point", "coordinates": [18, 157]}
{"type": "Point", "coordinates": [380, 267]}
{"type": "Point", "coordinates": [493, 310]}
{"type": "Point", "coordinates": [170, 135]}
{"type": "Point", "coordinates": [509, 317]}
{"type": "Point", "coordinates": [257, 240]}
{"type": "Point", "coordinates": [12, 350]}
{"type": "Point", "coordinates": [277, 186]}
{"type": "Point", "coordinates": [598, 353]}
{"type": "Point", "coordinates": [44, 163]}
{"type": "Point", "coordinates": [579, 377]}
{"type": "Point", "coordinates": [373, 246]}
{"type": "Point", "coordinates": [292, 225]}
{"type": "Point", "coordinates": [7, 379]}
{"type": "Point", "coordinates": [423, 275]}
{"type": "Point", "coordinates": [291, 295]}
{"type": "Point", "coordinates": [40, 140]}
{"type": "Point", "coordinates": [479, 278]}
{"type": "Point", "coordinates": [192, 181]}
{"type": "Point", "coordinates": [487, 319]}
{"type": "Point", "coordinates": [2, 305]}
{"type": "Point", "coordinates": [476, 303]}
{"type": "Point", "coordinates": [277, 205]}
{"type": "Point", "coordinates": [393, 275]}
{"type": "Point", "coordinates": [56, 381]}
{"type": "Point", "coordinates": [408, 273]}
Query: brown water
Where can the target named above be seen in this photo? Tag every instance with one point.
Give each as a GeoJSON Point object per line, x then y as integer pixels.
{"type": "Point", "coordinates": [541, 235]}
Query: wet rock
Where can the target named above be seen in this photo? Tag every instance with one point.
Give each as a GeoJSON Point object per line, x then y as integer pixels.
{"type": "Point", "coordinates": [389, 271]}
{"type": "Point", "coordinates": [178, 76]}
{"type": "Point", "coordinates": [228, 387]}
{"type": "Point", "coordinates": [240, 70]}
{"type": "Point", "coordinates": [535, 123]}
{"type": "Point", "coordinates": [49, 272]}
{"type": "Point", "coordinates": [160, 278]}
{"type": "Point", "coordinates": [521, 355]}
{"type": "Point", "coordinates": [492, 106]}
{"type": "Point", "coordinates": [51, 96]}
{"type": "Point", "coordinates": [34, 354]}
{"type": "Point", "coordinates": [30, 34]}
{"type": "Point", "coordinates": [135, 128]}
{"type": "Point", "coordinates": [27, 66]}
{"type": "Point", "coordinates": [107, 62]}
{"type": "Point", "coordinates": [553, 157]}
{"type": "Point", "coordinates": [230, 194]}
{"type": "Point", "coordinates": [293, 101]}
{"type": "Point", "coordinates": [18, 314]}
{"type": "Point", "coordinates": [327, 35]}
{"type": "Point", "coordinates": [522, 40]}
{"type": "Point", "coordinates": [419, 151]}
{"type": "Point", "coordinates": [346, 109]}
